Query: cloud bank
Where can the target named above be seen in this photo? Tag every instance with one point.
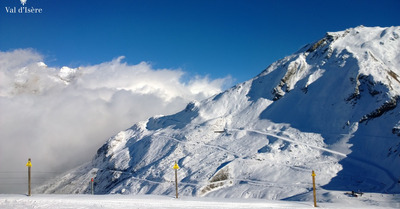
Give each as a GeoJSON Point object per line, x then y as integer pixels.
{"type": "Point", "coordinates": [59, 117]}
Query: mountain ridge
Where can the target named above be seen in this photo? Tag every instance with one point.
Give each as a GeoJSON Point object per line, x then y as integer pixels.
{"type": "Point", "coordinates": [324, 108]}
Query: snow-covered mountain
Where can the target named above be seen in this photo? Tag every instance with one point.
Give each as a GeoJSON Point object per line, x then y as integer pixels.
{"type": "Point", "coordinates": [331, 107]}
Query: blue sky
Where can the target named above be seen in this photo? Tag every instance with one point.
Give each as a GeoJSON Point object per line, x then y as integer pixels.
{"type": "Point", "coordinates": [208, 37]}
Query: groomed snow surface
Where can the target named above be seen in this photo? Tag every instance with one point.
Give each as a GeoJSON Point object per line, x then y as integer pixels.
{"type": "Point", "coordinates": [340, 200]}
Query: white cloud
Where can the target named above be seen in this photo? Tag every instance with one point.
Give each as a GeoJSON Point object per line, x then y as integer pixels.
{"type": "Point", "coordinates": [59, 117]}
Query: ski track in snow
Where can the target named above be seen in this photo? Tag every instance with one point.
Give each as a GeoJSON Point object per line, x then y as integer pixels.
{"type": "Point", "coordinates": [202, 184]}
{"type": "Point", "coordinates": [359, 160]}
{"type": "Point", "coordinates": [236, 155]}
{"type": "Point", "coordinates": [199, 185]}
{"type": "Point", "coordinates": [296, 142]}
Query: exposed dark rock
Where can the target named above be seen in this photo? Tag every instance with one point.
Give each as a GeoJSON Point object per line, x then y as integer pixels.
{"type": "Point", "coordinates": [386, 107]}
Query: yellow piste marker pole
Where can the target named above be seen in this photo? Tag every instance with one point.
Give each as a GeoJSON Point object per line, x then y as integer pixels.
{"type": "Point", "coordinates": [176, 167]}
{"type": "Point", "coordinates": [29, 165]}
{"type": "Point", "coordinates": [314, 193]}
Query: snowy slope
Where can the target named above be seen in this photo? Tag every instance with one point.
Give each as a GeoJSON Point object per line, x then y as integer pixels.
{"type": "Point", "coordinates": [152, 202]}
{"type": "Point", "coordinates": [330, 107]}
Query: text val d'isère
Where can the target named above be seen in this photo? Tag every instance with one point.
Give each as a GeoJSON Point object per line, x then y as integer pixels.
{"type": "Point", "coordinates": [24, 10]}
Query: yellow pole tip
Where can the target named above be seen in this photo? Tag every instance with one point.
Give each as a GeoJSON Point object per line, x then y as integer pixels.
{"type": "Point", "coordinates": [176, 166]}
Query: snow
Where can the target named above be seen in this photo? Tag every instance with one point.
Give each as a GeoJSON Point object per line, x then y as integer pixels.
{"type": "Point", "coordinates": [154, 202]}
{"type": "Point", "coordinates": [330, 108]}
{"type": "Point", "coordinates": [67, 74]}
